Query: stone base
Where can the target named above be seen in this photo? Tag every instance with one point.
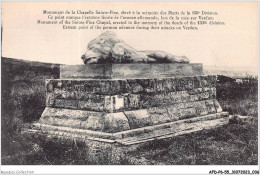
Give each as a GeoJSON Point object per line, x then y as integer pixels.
{"type": "Point", "coordinates": [112, 148]}
{"type": "Point", "coordinates": [127, 120]}
{"type": "Point", "coordinates": [111, 114]}
{"type": "Point", "coordinates": [126, 71]}
{"type": "Point", "coordinates": [134, 136]}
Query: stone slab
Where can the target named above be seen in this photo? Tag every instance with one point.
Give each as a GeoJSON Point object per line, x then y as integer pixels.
{"type": "Point", "coordinates": [86, 71]}
{"type": "Point", "coordinates": [181, 130]}
{"type": "Point", "coordinates": [134, 136]}
{"type": "Point", "coordinates": [112, 147]}
{"type": "Point", "coordinates": [140, 70]}
{"type": "Point", "coordinates": [84, 132]}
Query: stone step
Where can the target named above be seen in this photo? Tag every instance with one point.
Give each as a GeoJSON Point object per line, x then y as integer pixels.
{"type": "Point", "coordinates": [64, 135]}
{"type": "Point", "coordinates": [171, 125]}
{"type": "Point", "coordinates": [135, 136]}
{"type": "Point", "coordinates": [167, 133]}
{"type": "Point", "coordinates": [82, 132]}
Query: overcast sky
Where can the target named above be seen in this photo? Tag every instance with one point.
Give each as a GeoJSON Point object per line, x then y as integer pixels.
{"type": "Point", "coordinates": [234, 44]}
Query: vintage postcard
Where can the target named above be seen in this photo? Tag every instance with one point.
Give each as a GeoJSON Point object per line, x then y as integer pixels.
{"type": "Point", "coordinates": [129, 83]}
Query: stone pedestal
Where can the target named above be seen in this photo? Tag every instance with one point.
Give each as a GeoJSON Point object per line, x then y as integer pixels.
{"type": "Point", "coordinates": [127, 71]}
{"type": "Point", "coordinates": [129, 104]}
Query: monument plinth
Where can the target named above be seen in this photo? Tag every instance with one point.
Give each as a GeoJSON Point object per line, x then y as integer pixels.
{"type": "Point", "coordinates": [130, 103]}
{"type": "Point", "coordinates": [139, 108]}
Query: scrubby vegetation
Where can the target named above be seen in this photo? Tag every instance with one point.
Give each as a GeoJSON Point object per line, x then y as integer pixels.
{"type": "Point", "coordinates": [23, 100]}
{"type": "Point", "coordinates": [239, 98]}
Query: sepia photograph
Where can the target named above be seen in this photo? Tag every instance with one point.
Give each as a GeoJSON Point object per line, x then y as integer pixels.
{"type": "Point", "coordinates": [129, 83]}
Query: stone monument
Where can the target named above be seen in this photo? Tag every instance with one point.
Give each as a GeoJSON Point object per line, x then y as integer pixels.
{"type": "Point", "coordinates": [126, 97]}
